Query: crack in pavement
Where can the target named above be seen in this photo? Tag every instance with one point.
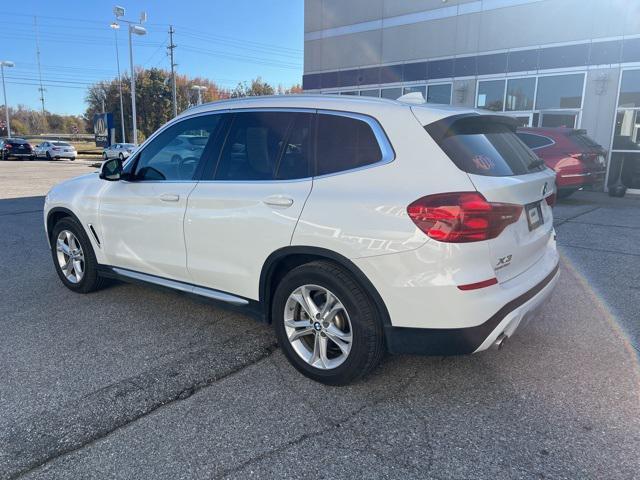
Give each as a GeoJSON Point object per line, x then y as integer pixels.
{"type": "Point", "coordinates": [604, 225]}
{"type": "Point", "coordinates": [20, 213]}
{"type": "Point", "coordinates": [559, 221]}
{"type": "Point", "coordinates": [32, 442]}
{"type": "Point", "coordinates": [331, 426]}
{"type": "Point", "coordinates": [602, 250]}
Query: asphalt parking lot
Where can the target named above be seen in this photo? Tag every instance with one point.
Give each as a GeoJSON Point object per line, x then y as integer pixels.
{"type": "Point", "coordinates": [130, 382]}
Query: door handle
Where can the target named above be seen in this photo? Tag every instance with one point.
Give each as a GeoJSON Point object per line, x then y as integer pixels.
{"type": "Point", "coordinates": [169, 197]}
{"type": "Point", "coordinates": [278, 201]}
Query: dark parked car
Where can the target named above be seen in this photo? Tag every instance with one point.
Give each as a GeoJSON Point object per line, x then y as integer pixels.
{"type": "Point", "coordinates": [15, 148]}
{"type": "Point", "coordinates": [579, 162]}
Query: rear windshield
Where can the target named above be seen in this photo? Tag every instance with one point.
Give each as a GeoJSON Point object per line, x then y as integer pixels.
{"type": "Point", "coordinates": [582, 140]}
{"type": "Point", "coordinates": [486, 147]}
{"type": "Point", "coordinates": [17, 141]}
{"type": "Point", "coordinates": [61, 144]}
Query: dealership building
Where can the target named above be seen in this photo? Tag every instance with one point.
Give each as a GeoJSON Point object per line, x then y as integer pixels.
{"type": "Point", "coordinates": [549, 63]}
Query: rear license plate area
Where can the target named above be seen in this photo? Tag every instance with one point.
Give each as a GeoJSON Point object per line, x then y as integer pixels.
{"type": "Point", "coordinates": [534, 215]}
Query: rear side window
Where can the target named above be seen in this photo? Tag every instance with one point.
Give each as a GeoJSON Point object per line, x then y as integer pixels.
{"type": "Point", "coordinates": [267, 146]}
{"type": "Point", "coordinates": [485, 146]}
{"type": "Point", "coordinates": [534, 141]}
{"type": "Point", "coordinates": [344, 143]}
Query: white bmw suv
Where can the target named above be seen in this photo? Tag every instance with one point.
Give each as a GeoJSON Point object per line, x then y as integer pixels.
{"type": "Point", "coordinates": [354, 226]}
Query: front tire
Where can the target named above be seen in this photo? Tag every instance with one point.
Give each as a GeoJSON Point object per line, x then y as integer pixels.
{"type": "Point", "coordinates": [73, 257]}
{"type": "Point", "coordinates": [326, 324]}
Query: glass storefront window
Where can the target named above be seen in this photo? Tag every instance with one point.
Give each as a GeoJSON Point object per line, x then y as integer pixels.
{"type": "Point", "coordinates": [421, 89]}
{"type": "Point", "coordinates": [370, 93]}
{"type": "Point", "coordinates": [439, 94]}
{"type": "Point", "coordinates": [491, 95]}
{"type": "Point", "coordinates": [630, 90]}
{"type": "Point", "coordinates": [625, 167]}
{"type": "Point", "coordinates": [560, 91]}
{"type": "Point", "coordinates": [559, 119]}
{"type": "Point", "coordinates": [520, 93]}
{"type": "Point", "coordinates": [391, 93]}
{"type": "Point", "coordinates": [627, 130]}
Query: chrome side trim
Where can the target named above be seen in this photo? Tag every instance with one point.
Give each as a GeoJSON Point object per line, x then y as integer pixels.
{"type": "Point", "coordinates": [181, 286]}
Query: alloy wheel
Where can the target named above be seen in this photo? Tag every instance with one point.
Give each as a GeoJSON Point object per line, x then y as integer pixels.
{"type": "Point", "coordinates": [318, 327]}
{"type": "Point", "coordinates": [70, 256]}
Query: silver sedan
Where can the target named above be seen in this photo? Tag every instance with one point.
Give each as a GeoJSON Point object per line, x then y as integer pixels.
{"type": "Point", "coordinates": [54, 149]}
{"type": "Point", "coordinates": [118, 150]}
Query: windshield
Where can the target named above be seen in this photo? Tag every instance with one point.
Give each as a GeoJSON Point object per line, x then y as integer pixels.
{"type": "Point", "coordinates": [61, 144]}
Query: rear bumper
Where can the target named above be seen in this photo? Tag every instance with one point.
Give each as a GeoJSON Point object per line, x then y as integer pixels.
{"type": "Point", "coordinates": [456, 341]}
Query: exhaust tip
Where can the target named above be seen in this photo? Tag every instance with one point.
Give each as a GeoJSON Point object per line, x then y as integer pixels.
{"type": "Point", "coordinates": [500, 341]}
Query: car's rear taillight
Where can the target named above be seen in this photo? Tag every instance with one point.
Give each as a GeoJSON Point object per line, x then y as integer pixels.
{"type": "Point", "coordinates": [551, 199]}
{"type": "Point", "coordinates": [8, 145]}
{"type": "Point", "coordinates": [462, 217]}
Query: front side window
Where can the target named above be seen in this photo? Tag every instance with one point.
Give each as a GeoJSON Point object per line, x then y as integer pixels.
{"type": "Point", "coordinates": [164, 159]}
{"type": "Point", "coordinates": [267, 146]}
{"type": "Point", "coordinates": [344, 143]}
{"type": "Point", "coordinates": [560, 91]}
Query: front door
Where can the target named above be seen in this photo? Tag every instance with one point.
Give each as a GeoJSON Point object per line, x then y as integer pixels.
{"type": "Point", "coordinates": [248, 204]}
{"type": "Point", "coordinates": [141, 217]}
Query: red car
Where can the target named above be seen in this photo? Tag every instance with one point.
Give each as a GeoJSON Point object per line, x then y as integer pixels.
{"type": "Point", "coordinates": [579, 162]}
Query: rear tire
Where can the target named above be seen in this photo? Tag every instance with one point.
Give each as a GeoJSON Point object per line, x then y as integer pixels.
{"type": "Point", "coordinates": [358, 322]}
{"type": "Point", "coordinates": [88, 280]}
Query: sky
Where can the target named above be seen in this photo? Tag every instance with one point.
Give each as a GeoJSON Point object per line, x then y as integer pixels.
{"type": "Point", "coordinates": [227, 41]}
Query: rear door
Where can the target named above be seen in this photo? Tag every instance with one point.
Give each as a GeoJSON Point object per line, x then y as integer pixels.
{"type": "Point", "coordinates": [249, 200]}
{"type": "Point", "coordinates": [504, 170]}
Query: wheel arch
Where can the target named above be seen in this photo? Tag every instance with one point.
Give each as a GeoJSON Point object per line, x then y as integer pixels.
{"type": "Point", "coordinates": [55, 215]}
{"type": "Point", "coordinates": [283, 260]}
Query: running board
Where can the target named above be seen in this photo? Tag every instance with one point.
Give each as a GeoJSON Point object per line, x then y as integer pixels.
{"type": "Point", "coordinates": [181, 286]}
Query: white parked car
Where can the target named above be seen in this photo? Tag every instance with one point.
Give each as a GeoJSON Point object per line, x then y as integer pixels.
{"type": "Point", "coordinates": [118, 150]}
{"type": "Point", "coordinates": [352, 225]}
{"type": "Point", "coordinates": [54, 149]}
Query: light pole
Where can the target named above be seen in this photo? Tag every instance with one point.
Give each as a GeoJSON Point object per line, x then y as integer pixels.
{"type": "Point", "coordinates": [116, 26]}
{"type": "Point", "coordinates": [6, 63]}
{"type": "Point", "coordinates": [137, 29]}
{"type": "Point", "coordinates": [199, 89]}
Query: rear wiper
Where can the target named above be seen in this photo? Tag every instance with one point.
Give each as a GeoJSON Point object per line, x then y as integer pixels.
{"type": "Point", "coordinates": [535, 164]}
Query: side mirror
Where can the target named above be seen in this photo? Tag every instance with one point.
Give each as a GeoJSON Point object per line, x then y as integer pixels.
{"type": "Point", "coordinates": [111, 170]}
